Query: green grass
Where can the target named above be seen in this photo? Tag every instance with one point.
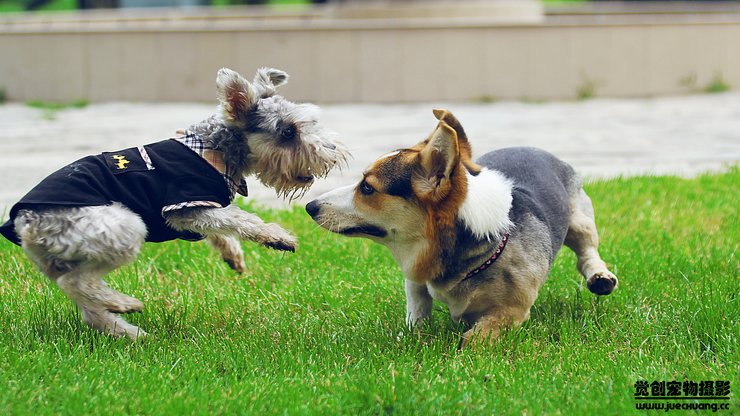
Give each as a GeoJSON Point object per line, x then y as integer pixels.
{"type": "Point", "coordinates": [322, 331]}
{"type": "Point", "coordinates": [718, 84]}
{"type": "Point", "coordinates": [51, 108]}
{"type": "Point", "coordinates": [56, 106]}
{"type": "Point", "coordinates": [54, 5]}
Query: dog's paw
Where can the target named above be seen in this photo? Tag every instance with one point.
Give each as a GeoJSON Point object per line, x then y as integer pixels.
{"type": "Point", "coordinates": [231, 251]}
{"type": "Point", "coordinates": [125, 304]}
{"type": "Point", "coordinates": [283, 245]}
{"type": "Point", "coordinates": [602, 283]}
{"type": "Point", "coordinates": [236, 263]}
{"type": "Point", "coordinates": [464, 342]}
{"type": "Point", "coordinates": [473, 339]}
{"type": "Point", "coordinates": [275, 237]}
{"type": "Point", "coordinates": [136, 334]}
{"type": "Point", "coordinates": [234, 257]}
{"type": "Point", "coordinates": [417, 320]}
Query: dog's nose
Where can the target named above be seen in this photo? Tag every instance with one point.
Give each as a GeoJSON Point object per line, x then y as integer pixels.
{"type": "Point", "coordinates": [313, 208]}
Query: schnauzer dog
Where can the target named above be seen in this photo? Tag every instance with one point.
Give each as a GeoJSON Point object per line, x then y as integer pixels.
{"type": "Point", "coordinates": [93, 215]}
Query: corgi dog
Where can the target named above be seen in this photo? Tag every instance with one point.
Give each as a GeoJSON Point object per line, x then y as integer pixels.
{"type": "Point", "coordinates": [479, 236]}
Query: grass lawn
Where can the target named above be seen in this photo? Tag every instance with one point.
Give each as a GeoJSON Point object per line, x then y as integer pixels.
{"type": "Point", "coordinates": [322, 331]}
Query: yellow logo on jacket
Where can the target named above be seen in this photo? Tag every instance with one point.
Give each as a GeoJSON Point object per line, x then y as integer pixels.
{"type": "Point", "coordinates": [122, 162]}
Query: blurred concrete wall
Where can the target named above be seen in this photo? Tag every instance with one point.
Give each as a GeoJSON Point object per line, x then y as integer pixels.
{"type": "Point", "coordinates": [169, 55]}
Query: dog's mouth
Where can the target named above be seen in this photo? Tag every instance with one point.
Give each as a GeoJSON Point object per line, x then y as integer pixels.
{"type": "Point", "coordinates": [367, 229]}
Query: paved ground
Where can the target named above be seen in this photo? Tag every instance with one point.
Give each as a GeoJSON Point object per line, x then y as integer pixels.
{"type": "Point", "coordinates": [600, 138]}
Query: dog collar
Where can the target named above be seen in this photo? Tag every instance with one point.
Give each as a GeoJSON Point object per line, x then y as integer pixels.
{"type": "Point", "coordinates": [491, 260]}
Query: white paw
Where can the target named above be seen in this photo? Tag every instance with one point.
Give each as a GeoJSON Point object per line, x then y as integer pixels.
{"type": "Point", "coordinates": [416, 319]}
{"type": "Point", "coordinates": [274, 236]}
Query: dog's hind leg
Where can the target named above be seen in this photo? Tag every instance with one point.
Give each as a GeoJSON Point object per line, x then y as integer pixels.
{"type": "Point", "coordinates": [583, 239]}
{"type": "Point", "coordinates": [111, 323]}
{"type": "Point", "coordinates": [76, 247]}
{"type": "Point", "coordinates": [231, 251]}
{"type": "Point", "coordinates": [488, 327]}
{"type": "Point", "coordinates": [98, 303]}
{"type": "Point", "coordinates": [84, 284]}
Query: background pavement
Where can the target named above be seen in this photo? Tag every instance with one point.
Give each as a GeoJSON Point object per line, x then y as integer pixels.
{"type": "Point", "coordinates": [601, 138]}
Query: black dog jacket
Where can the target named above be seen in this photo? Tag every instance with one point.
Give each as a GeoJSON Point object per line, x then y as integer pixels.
{"type": "Point", "coordinates": [145, 179]}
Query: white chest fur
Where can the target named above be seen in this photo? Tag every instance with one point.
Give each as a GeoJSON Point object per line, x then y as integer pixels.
{"type": "Point", "coordinates": [486, 208]}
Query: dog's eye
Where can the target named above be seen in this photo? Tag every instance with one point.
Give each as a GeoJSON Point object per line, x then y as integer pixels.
{"type": "Point", "coordinates": [288, 133]}
{"type": "Point", "coordinates": [366, 189]}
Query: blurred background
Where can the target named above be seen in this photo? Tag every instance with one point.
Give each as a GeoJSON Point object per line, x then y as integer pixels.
{"type": "Point", "coordinates": [614, 88]}
{"type": "Point", "coordinates": [341, 51]}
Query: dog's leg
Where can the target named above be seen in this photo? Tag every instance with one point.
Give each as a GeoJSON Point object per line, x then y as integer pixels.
{"type": "Point", "coordinates": [488, 327]}
{"type": "Point", "coordinates": [231, 251]}
{"type": "Point", "coordinates": [583, 239]}
{"type": "Point", "coordinates": [76, 247]}
{"type": "Point", "coordinates": [418, 303]}
{"type": "Point", "coordinates": [110, 323]}
{"type": "Point", "coordinates": [99, 303]}
{"type": "Point", "coordinates": [232, 220]}
{"type": "Point", "coordinates": [87, 287]}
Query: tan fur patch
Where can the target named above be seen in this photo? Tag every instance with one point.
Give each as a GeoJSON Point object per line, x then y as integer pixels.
{"type": "Point", "coordinates": [439, 187]}
{"type": "Point", "coordinates": [440, 219]}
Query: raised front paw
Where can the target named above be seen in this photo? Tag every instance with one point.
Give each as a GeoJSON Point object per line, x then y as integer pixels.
{"type": "Point", "coordinates": [274, 236]}
{"type": "Point", "coordinates": [602, 283]}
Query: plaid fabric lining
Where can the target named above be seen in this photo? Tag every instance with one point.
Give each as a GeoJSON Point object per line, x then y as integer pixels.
{"type": "Point", "coordinates": [191, 204]}
{"type": "Point", "coordinates": [215, 158]}
{"type": "Point", "coordinates": [146, 158]}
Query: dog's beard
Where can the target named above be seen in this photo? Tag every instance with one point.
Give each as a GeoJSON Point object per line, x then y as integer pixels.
{"type": "Point", "coordinates": [285, 170]}
{"type": "Point", "coordinates": [285, 187]}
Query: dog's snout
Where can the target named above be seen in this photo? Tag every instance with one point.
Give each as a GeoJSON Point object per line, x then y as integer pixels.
{"type": "Point", "coordinates": [313, 208]}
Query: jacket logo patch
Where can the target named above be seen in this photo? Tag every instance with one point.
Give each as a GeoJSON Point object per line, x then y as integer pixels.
{"type": "Point", "coordinates": [122, 162]}
{"type": "Point", "coordinates": [126, 161]}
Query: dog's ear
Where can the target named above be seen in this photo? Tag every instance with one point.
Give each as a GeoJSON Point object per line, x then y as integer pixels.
{"type": "Point", "coordinates": [267, 80]}
{"type": "Point", "coordinates": [466, 151]}
{"type": "Point", "coordinates": [235, 94]}
{"type": "Point", "coordinates": [437, 162]}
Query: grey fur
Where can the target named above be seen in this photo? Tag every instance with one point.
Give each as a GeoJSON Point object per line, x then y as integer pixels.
{"type": "Point", "coordinates": [76, 247]}
{"type": "Point", "coordinates": [543, 185]}
{"type": "Point", "coordinates": [248, 128]}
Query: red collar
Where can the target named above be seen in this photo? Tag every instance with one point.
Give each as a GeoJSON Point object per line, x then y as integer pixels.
{"type": "Point", "coordinates": [492, 259]}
